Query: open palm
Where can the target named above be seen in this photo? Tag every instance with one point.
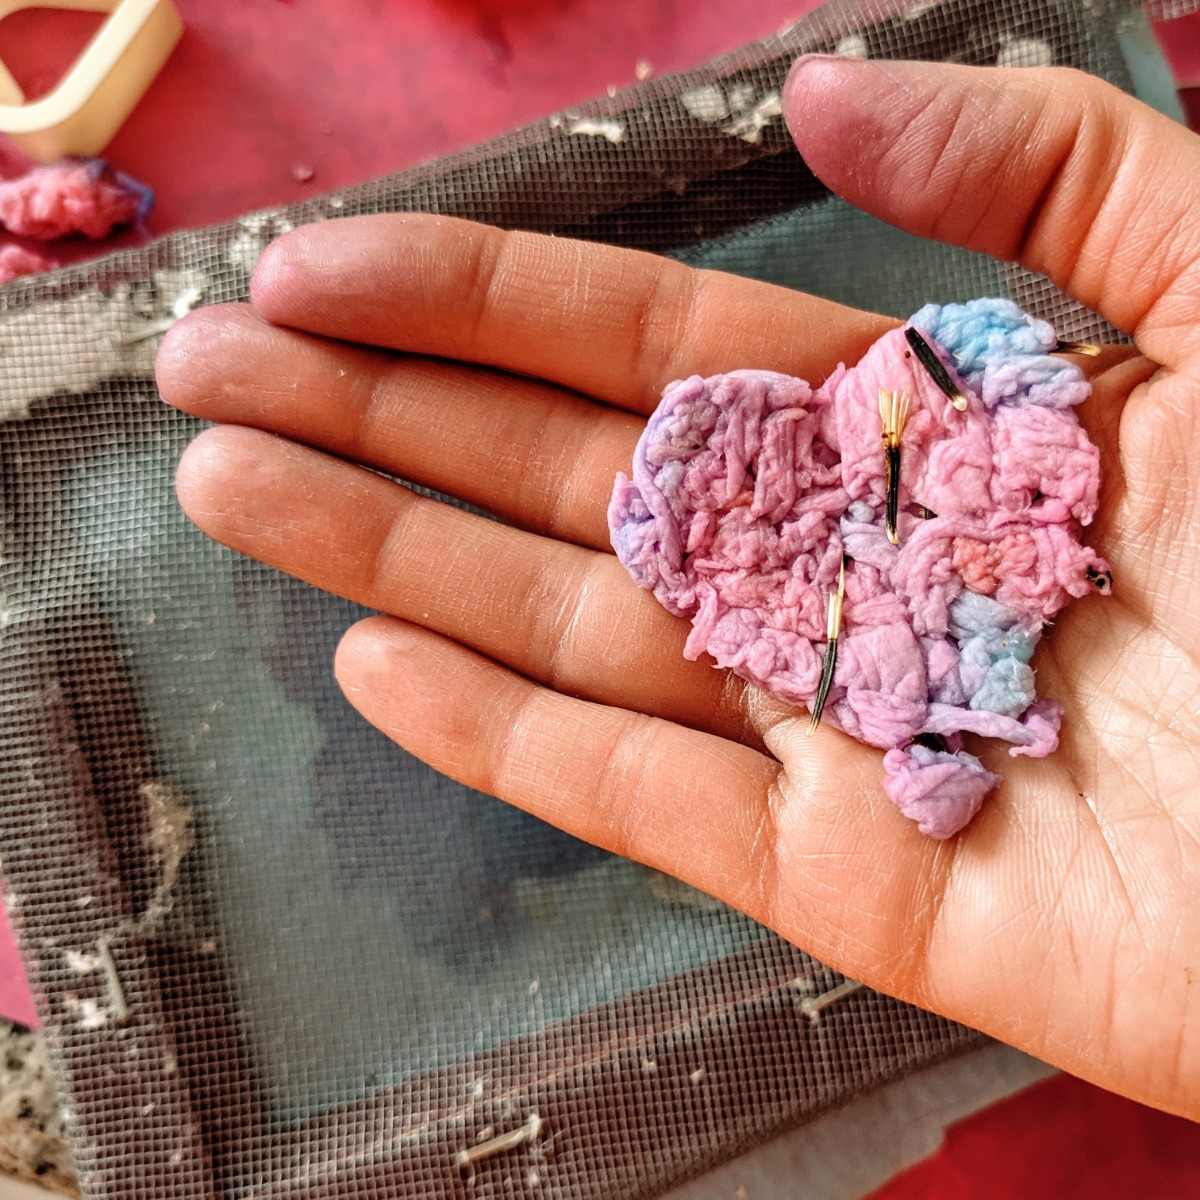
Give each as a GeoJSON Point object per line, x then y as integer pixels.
{"type": "Point", "coordinates": [521, 660]}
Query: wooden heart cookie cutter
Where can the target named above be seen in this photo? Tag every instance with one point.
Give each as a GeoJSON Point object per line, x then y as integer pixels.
{"type": "Point", "coordinates": [89, 104]}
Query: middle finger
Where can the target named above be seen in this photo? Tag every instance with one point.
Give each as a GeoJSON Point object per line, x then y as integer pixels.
{"type": "Point", "coordinates": [531, 453]}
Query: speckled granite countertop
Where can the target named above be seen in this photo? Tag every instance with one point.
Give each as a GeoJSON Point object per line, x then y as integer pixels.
{"type": "Point", "coordinates": [32, 1147]}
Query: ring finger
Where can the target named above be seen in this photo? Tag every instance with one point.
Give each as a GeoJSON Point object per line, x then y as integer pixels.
{"type": "Point", "coordinates": [558, 613]}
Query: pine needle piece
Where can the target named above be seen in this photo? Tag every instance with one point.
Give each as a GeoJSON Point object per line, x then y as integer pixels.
{"type": "Point", "coordinates": [936, 369]}
{"type": "Point", "coordinates": [833, 630]}
{"type": "Point", "coordinates": [893, 412]}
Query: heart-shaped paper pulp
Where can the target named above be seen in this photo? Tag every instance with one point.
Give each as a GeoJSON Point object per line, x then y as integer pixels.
{"type": "Point", "coordinates": [750, 491]}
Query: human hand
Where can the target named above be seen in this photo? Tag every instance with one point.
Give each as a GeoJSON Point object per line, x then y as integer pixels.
{"type": "Point", "coordinates": [521, 660]}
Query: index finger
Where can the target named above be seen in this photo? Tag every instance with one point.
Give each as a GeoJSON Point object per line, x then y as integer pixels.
{"type": "Point", "coordinates": [612, 323]}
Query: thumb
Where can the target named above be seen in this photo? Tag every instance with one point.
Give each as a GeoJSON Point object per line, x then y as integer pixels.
{"type": "Point", "coordinates": [1049, 167]}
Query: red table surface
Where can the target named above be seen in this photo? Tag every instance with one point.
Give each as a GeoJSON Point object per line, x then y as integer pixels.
{"type": "Point", "coordinates": [1060, 1140]}
{"type": "Point", "coordinates": [268, 103]}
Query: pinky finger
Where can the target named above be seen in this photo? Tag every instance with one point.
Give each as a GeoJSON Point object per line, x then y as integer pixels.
{"type": "Point", "coordinates": [691, 804]}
